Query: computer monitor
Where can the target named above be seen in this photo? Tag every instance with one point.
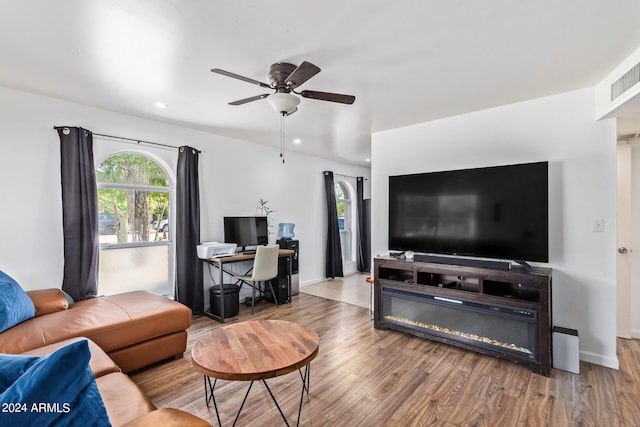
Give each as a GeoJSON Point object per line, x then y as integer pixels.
{"type": "Point", "coordinates": [246, 231]}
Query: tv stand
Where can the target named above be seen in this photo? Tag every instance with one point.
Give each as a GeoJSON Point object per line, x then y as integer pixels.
{"type": "Point", "coordinates": [501, 313]}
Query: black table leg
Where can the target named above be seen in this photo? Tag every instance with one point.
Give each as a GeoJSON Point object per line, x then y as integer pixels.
{"type": "Point", "coordinates": [209, 395]}
{"type": "Point", "coordinates": [207, 398]}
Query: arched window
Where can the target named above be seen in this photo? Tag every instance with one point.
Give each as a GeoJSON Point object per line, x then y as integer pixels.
{"type": "Point", "coordinates": [345, 221]}
{"type": "Point", "coordinates": [136, 245]}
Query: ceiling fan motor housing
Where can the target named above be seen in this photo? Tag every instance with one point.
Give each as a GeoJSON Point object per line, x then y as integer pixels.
{"type": "Point", "coordinates": [278, 74]}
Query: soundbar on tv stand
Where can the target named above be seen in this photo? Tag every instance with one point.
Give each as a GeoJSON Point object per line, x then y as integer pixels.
{"type": "Point", "coordinates": [469, 262]}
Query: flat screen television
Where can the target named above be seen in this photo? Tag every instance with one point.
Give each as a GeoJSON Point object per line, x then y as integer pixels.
{"type": "Point", "coordinates": [246, 231]}
{"type": "Point", "coordinates": [493, 212]}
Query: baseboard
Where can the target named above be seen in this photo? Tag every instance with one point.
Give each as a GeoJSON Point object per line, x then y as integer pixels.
{"type": "Point", "coordinates": [598, 359]}
{"type": "Point", "coordinates": [312, 282]}
{"type": "Point", "coordinates": [325, 279]}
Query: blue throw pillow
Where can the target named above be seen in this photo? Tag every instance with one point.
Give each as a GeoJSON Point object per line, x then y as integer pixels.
{"type": "Point", "coordinates": [12, 366]}
{"type": "Point", "coordinates": [58, 389]}
{"type": "Point", "coordinates": [15, 304]}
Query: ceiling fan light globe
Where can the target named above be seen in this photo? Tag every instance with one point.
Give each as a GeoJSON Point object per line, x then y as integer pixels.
{"type": "Point", "coordinates": [283, 103]}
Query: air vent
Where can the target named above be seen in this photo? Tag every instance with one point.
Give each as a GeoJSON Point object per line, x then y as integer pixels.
{"type": "Point", "coordinates": [624, 83]}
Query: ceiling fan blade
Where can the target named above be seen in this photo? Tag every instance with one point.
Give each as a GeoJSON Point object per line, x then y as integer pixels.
{"type": "Point", "coordinates": [304, 72]}
{"type": "Point", "coordinates": [239, 77]}
{"type": "Point", "coordinates": [327, 96]}
{"type": "Point", "coordinates": [251, 99]}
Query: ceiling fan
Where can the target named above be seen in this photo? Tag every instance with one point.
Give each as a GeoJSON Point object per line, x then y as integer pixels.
{"type": "Point", "coordinates": [285, 78]}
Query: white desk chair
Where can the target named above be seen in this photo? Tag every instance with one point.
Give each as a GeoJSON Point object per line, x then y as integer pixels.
{"type": "Point", "coordinates": [265, 268]}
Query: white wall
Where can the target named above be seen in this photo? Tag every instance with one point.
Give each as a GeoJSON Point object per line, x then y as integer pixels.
{"type": "Point", "coordinates": [582, 154]}
{"type": "Point", "coordinates": [234, 174]}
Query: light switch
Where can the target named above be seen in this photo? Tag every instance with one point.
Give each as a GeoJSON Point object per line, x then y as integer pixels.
{"type": "Point", "coordinates": [598, 225]}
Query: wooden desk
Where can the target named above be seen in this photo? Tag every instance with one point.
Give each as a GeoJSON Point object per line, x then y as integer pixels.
{"type": "Point", "coordinates": [240, 257]}
{"type": "Point", "coordinates": [255, 351]}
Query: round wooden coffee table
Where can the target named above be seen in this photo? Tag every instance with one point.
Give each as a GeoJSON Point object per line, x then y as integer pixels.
{"type": "Point", "coordinates": [255, 351]}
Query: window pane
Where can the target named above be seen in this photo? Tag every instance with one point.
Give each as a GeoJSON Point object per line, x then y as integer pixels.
{"type": "Point", "coordinates": [131, 168]}
{"type": "Point", "coordinates": [345, 244]}
{"type": "Point", "coordinates": [347, 216]}
{"type": "Point", "coordinates": [343, 208]}
{"type": "Point", "coordinates": [137, 268]}
{"type": "Point", "coordinates": [132, 216]}
{"type": "Point", "coordinates": [340, 207]}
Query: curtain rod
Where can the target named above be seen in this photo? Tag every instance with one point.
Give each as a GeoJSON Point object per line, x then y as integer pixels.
{"type": "Point", "coordinates": [139, 141]}
{"type": "Point", "coordinates": [349, 176]}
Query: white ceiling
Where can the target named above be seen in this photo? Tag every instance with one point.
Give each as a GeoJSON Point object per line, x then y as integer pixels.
{"type": "Point", "coordinates": [405, 61]}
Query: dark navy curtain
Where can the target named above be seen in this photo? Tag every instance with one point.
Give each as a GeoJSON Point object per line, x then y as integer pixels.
{"type": "Point", "coordinates": [79, 213]}
{"type": "Point", "coordinates": [363, 238]}
{"type": "Point", "coordinates": [189, 282]}
{"type": "Point", "coordinates": [333, 267]}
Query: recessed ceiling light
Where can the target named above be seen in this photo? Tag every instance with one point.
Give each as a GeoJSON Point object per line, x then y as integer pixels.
{"type": "Point", "coordinates": [297, 141]}
{"type": "Point", "coordinates": [160, 105]}
{"type": "Point", "coordinates": [367, 160]}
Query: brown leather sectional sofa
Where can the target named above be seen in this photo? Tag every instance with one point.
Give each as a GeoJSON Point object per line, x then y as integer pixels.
{"type": "Point", "coordinates": [135, 329]}
{"type": "Point", "coordinates": [125, 332]}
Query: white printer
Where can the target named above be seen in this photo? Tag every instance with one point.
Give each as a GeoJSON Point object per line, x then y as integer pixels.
{"type": "Point", "coordinates": [208, 250]}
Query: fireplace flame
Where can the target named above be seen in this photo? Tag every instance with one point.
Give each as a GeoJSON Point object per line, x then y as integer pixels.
{"type": "Point", "coordinates": [455, 333]}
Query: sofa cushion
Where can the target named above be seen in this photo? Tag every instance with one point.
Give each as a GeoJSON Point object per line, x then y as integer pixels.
{"type": "Point", "coordinates": [112, 322]}
{"type": "Point", "coordinates": [55, 390]}
{"type": "Point", "coordinates": [123, 398]}
{"type": "Point", "coordinates": [100, 363]}
{"type": "Point", "coordinates": [15, 304]}
{"type": "Point", "coordinates": [147, 316]}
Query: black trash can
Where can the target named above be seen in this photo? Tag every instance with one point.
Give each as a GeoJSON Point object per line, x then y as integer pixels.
{"type": "Point", "coordinates": [231, 299]}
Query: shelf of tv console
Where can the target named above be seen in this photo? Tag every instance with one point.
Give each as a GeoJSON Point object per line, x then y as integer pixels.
{"type": "Point", "coordinates": [516, 288]}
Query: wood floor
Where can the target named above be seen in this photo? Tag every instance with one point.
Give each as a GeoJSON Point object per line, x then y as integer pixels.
{"type": "Point", "coordinates": [368, 377]}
